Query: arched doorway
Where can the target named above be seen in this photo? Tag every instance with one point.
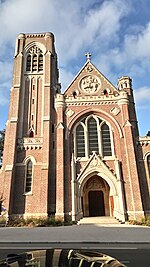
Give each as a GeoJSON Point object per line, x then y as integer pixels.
{"type": "Point", "coordinates": [96, 197]}
{"type": "Point", "coordinates": [96, 203]}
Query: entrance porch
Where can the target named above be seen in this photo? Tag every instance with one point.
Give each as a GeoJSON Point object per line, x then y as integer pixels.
{"type": "Point", "coordinates": [96, 198]}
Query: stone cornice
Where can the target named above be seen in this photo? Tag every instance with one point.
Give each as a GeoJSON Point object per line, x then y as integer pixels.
{"type": "Point", "coordinates": [144, 141]}
{"type": "Point", "coordinates": [29, 143]}
{"type": "Point", "coordinates": [41, 35]}
{"type": "Point", "coordinates": [90, 100]}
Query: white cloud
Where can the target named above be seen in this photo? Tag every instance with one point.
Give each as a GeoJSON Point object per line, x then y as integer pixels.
{"type": "Point", "coordinates": [142, 96]}
{"type": "Point", "coordinates": [5, 70]}
{"type": "Point", "coordinates": [66, 77]}
{"type": "Point", "coordinates": [79, 26]}
{"type": "Point", "coordinates": [74, 26]}
{"type": "Point", "coordinates": [5, 81]}
{"type": "Point", "coordinates": [97, 29]}
{"type": "Point", "coordinates": [137, 46]}
{"type": "Point", "coordinates": [134, 53]}
{"type": "Point", "coordinates": [4, 100]}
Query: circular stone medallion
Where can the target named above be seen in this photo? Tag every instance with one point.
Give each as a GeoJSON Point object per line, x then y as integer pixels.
{"type": "Point", "coordinates": [90, 84]}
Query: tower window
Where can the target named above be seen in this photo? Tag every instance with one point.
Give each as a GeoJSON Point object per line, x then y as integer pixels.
{"type": "Point", "coordinates": [29, 169]}
{"type": "Point", "coordinates": [40, 63]}
{"type": "Point", "coordinates": [28, 63]}
{"type": "Point", "coordinates": [34, 60]}
{"type": "Point", "coordinates": [34, 63]}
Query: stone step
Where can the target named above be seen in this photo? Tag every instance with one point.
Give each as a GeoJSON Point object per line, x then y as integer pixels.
{"type": "Point", "coordinates": [98, 220]}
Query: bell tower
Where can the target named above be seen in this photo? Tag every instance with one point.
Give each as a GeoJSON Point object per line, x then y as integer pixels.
{"type": "Point", "coordinates": [29, 152]}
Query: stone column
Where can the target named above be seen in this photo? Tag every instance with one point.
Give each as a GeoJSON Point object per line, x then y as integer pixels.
{"type": "Point", "coordinates": [73, 191]}
{"type": "Point", "coordinates": [59, 105]}
{"type": "Point", "coordinates": [122, 210]}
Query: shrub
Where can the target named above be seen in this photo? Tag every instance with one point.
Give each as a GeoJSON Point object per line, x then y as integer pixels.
{"type": "Point", "coordinates": [3, 221]}
{"type": "Point", "coordinates": [16, 221]}
{"type": "Point", "coordinates": [144, 221]}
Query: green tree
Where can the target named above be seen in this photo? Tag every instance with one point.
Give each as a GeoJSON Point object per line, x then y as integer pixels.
{"type": "Point", "coordinates": [2, 138]}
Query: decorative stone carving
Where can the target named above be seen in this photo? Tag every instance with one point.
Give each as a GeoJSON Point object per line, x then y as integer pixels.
{"type": "Point", "coordinates": [35, 50]}
{"type": "Point", "coordinates": [89, 69]}
{"type": "Point", "coordinates": [29, 143]}
{"type": "Point", "coordinates": [60, 125]}
{"type": "Point", "coordinates": [144, 141]}
{"type": "Point", "coordinates": [127, 123]}
{"type": "Point", "coordinates": [115, 111]}
{"type": "Point", "coordinates": [95, 184]}
{"type": "Point", "coordinates": [29, 140]}
{"type": "Point", "coordinates": [90, 84]}
{"type": "Point", "coordinates": [90, 103]}
{"type": "Point", "coordinates": [69, 112]}
{"type": "Point", "coordinates": [95, 162]}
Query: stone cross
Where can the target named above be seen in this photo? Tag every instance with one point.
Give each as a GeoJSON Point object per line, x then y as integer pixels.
{"type": "Point", "coordinates": [88, 56]}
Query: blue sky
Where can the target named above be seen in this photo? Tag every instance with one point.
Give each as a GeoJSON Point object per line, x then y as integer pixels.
{"type": "Point", "coordinates": [116, 32]}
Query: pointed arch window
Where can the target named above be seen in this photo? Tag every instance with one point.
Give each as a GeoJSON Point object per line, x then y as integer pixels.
{"type": "Point", "coordinates": [34, 63]}
{"type": "Point", "coordinates": [148, 163]}
{"type": "Point", "coordinates": [106, 141]}
{"type": "Point", "coordinates": [28, 63]}
{"type": "Point", "coordinates": [34, 60]}
{"type": "Point", "coordinates": [40, 62]}
{"type": "Point", "coordinates": [80, 141]}
{"type": "Point", "coordinates": [92, 136]}
{"type": "Point", "coordinates": [29, 171]}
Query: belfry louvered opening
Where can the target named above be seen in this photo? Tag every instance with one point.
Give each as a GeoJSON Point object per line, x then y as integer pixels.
{"type": "Point", "coordinates": [34, 60]}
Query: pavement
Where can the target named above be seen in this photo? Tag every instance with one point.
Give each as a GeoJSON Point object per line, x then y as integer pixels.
{"type": "Point", "coordinates": [76, 234]}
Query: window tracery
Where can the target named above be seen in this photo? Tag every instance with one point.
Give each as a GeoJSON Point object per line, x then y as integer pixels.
{"type": "Point", "coordinates": [34, 60]}
{"type": "Point", "coordinates": [92, 134]}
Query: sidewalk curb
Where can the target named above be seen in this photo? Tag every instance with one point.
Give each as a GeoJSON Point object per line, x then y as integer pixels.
{"type": "Point", "coordinates": [74, 242]}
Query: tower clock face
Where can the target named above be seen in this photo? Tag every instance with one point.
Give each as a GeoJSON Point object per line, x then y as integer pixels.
{"type": "Point", "coordinates": [90, 84]}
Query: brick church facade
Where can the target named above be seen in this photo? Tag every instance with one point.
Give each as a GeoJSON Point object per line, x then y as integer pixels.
{"type": "Point", "coordinates": [76, 153]}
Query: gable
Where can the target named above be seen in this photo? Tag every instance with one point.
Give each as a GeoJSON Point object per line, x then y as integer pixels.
{"type": "Point", "coordinates": [90, 81]}
{"type": "Point", "coordinates": [95, 163]}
